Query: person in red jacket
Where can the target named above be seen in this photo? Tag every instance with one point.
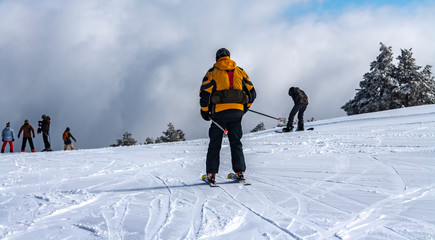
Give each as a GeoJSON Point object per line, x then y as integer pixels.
{"type": "Point", "coordinates": [27, 131]}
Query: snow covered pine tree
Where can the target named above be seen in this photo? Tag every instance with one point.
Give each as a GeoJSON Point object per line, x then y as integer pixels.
{"type": "Point", "coordinates": [389, 87]}
{"type": "Point", "coordinates": [415, 87]}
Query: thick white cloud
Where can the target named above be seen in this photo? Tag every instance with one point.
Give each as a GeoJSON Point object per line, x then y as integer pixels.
{"type": "Point", "coordinates": [105, 67]}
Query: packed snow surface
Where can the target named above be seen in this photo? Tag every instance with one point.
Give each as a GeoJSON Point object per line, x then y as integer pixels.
{"type": "Point", "coordinates": [369, 176]}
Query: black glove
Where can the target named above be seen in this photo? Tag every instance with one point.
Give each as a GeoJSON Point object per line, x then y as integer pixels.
{"type": "Point", "coordinates": [205, 115]}
{"type": "Point", "coordinates": [13, 139]}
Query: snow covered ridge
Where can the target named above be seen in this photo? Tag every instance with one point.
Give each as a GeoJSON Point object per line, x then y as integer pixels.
{"type": "Point", "coordinates": [369, 176]}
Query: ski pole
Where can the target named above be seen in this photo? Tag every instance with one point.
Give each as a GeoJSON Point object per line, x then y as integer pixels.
{"type": "Point", "coordinates": [279, 119]}
{"type": "Point", "coordinates": [219, 126]}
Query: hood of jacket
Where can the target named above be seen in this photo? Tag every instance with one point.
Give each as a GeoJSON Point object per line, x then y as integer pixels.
{"type": "Point", "coordinates": [225, 63]}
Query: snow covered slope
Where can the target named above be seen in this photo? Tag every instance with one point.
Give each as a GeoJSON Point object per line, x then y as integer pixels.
{"type": "Point", "coordinates": [369, 176]}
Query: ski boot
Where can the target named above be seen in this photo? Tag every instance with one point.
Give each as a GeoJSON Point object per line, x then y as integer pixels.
{"type": "Point", "coordinates": [286, 129]}
{"type": "Point", "coordinates": [239, 176]}
{"type": "Point", "coordinates": [211, 178]}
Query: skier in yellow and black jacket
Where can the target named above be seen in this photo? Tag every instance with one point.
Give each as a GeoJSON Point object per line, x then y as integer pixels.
{"type": "Point", "coordinates": [226, 94]}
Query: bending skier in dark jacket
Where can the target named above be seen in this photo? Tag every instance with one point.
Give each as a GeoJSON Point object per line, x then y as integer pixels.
{"type": "Point", "coordinates": [301, 101]}
{"type": "Point", "coordinates": [226, 94]}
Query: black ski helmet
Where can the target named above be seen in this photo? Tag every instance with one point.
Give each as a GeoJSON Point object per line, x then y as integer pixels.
{"type": "Point", "coordinates": [223, 52]}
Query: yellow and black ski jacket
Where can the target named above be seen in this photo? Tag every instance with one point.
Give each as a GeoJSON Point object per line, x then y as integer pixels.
{"type": "Point", "coordinates": [226, 86]}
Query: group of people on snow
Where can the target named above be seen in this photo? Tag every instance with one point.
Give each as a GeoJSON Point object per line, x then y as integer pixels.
{"type": "Point", "coordinates": [226, 94]}
{"type": "Point", "coordinates": [8, 136]}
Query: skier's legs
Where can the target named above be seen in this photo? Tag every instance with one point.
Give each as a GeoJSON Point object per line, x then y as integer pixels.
{"type": "Point", "coordinates": [301, 116]}
{"type": "Point", "coordinates": [214, 148]}
{"type": "Point", "coordinates": [23, 145]}
{"type": "Point", "coordinates": [46, 142]}
{"type": "Point", "coordinates": [32, 148]}
{"type": "Point", "coordinates": [4, 146]}
{"type": "Point", "coordinates": [292, 114]}
{"type": "Point", "coordinates": [291, 117]}
{"type": "Point", "coordinates": [11, 146]}
{"type": "Point", "coordinates": [235, 133]}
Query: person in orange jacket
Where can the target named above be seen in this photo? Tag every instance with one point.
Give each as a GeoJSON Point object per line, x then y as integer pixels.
{"type": "Point", "coordinates": [27, 131]}
{"type": "Point", "coordinates": [67, 139]}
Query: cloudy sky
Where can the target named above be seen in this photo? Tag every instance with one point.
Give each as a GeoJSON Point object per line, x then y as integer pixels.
{"type": "Point", "coordinates": [103, 67]}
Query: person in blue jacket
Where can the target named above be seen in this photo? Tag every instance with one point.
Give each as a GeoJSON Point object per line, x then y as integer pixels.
{"type": "Point", "coordinates": [8, 136]}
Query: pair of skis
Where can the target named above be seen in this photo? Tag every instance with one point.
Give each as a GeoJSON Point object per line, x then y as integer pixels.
{"type": "Point", "coordinates": [280, 130]}
{"type": "Point", "coordinates": [231, 176]}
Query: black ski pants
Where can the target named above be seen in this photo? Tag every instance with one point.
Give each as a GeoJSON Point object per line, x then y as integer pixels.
{"type": "Point", "coordinates": [235, 133]}
{"type": "Point", "coordinates": [46, 140]}
{"type": "Point", "coordinates": [298, 108]}
{"type": "Point", "coordinates": [23, 145]}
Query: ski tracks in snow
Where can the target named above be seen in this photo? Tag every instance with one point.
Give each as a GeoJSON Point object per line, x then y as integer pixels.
{"type": "Point", "coordinates": [346, 180]}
